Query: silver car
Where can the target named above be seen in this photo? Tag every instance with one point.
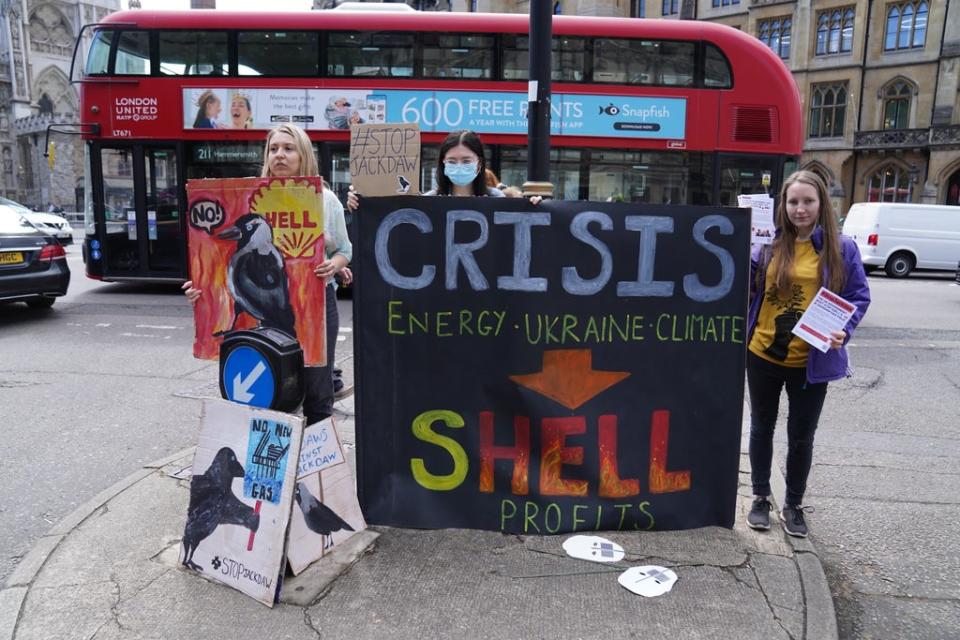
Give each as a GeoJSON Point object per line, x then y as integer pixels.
{"type": "Point", "coordinates": [57, 226]}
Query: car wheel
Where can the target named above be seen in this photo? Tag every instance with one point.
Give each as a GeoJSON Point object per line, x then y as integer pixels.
{"type": "Point", "coordinates": [40, 303]}
{"type": "Point", "coordinates": [899, 265]}
{"type": "Point", "coordinates": [869, 268]}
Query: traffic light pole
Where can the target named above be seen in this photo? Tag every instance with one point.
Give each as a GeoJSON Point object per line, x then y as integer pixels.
{"type": "Point", "coordinates": [538, 96]}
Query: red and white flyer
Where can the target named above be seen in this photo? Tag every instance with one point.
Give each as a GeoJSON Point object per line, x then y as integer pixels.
{"type": "Point", "coordinates": [827, 313]}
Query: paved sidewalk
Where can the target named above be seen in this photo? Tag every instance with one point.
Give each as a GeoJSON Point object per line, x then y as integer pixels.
{"type": "Point", "coordinates": [109, 571]}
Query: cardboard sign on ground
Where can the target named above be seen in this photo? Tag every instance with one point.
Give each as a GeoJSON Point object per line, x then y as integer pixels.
{"type": "Point", "coordinates": [241, 494]}
{"type": "Point", "coordinates": [326, 510]}
{"type": "Point", "coordinates": [385, 159]}
{"type": "Point", "coordinates": [253, 245]}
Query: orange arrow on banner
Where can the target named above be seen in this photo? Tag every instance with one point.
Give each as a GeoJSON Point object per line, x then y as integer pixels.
{"type": "Point", "coordinates": [569, 378]}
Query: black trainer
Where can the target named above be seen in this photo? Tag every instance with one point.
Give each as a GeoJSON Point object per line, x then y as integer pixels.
{"type": "Point", "coordinates": [759, 516]}
{"type": "Point", "coordinates": [793, 521]}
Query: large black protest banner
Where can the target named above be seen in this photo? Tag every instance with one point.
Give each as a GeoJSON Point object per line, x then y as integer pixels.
{"type": "Point", "coordinates": [563, 367]}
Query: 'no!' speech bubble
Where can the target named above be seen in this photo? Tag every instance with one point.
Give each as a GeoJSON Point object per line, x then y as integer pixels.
{"type": "Point", "coordinates": [207, 215]}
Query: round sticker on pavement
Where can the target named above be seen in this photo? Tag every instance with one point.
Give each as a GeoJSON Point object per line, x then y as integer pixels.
{"type": "Point", "coordinates": [593, 548]}
{"type": "Point", "coordinates": [648, 580]}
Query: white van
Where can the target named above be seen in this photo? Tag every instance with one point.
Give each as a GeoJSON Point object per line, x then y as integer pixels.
{"type": "Point", "coordinates": [903, 237]}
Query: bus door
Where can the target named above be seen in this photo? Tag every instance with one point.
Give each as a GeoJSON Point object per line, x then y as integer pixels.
{"type": "Point", "coordinates": [142, 231]}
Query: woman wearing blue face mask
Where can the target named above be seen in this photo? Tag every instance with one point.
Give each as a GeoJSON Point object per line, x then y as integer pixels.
{"type": "Point", "coordinates": [461, 168]}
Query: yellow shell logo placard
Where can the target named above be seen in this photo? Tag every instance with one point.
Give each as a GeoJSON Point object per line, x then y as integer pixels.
{"type": "Point", "coordinates": [295, 213]}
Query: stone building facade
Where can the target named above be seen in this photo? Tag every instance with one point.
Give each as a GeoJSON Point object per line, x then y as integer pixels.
{"type": "Point", "coordinates": [878, 81]}
{"type": "Point", "coordinates": [36, 45]}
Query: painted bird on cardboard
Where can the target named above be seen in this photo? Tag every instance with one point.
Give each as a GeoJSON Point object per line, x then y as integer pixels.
{"type": "Point", "coordinates": [213, 503]}
{"type": "Point", "coordinates": [319, 517]}
{"type": "Point", "coordinates": [256, 276]}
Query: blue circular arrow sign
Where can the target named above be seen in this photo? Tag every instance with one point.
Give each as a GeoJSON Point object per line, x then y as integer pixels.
{"type": "Point", "coordinates": [248, 377]}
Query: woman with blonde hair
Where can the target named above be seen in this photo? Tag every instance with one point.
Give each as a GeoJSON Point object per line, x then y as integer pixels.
{"type": "Point", "coordinates": [807, 253]}
{"type": "Point", "coordinates": [288, 153]}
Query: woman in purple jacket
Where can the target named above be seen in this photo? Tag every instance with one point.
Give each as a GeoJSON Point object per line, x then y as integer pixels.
{"type": "Point", "coordinates": [807, 253]}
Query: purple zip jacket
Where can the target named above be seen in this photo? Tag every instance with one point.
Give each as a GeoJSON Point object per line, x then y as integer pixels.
{"type": "Point", "coordinates": [834, 364]}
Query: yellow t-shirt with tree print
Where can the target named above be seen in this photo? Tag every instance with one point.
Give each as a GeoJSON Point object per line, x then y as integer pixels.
{"type": "Point", "coordinates": [773, 339]}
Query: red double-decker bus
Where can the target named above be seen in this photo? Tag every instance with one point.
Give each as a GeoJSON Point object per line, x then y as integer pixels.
{"type": "Point", "coordinates": [656, 111]}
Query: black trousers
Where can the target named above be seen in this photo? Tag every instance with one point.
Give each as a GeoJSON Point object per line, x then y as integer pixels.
{"type": "Point", "coordinates": [318, 381]}
{"type": "Point", "coordinates": [765, 381]}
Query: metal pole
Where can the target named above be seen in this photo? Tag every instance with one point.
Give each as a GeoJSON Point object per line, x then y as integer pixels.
{"type": "Point", "coordinates": [538, 96]}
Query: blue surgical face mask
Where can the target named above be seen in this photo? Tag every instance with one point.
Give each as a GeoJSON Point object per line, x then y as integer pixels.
{"type": "Point", "coordinates": [461, 174]}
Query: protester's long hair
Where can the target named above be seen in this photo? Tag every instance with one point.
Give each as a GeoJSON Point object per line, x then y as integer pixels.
{"type": "Point", "coordinates": [308, 159]}
{"type": "Point", "coordinates": [471, 141]}
{"type": "Point", "coordinates": [783, 245]}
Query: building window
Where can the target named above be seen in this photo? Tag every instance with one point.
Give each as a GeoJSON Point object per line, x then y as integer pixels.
{"type": "Point", "coordinates": [890, 184]}
{"type": "Point", "coordinates": [671, 7]}
{"type": "Point", "coordinates": [896, 106]}
{"type": "Point", "coordinates": [725, 3]}
{"type": "Point", "coordinates": [638, 8]}
{"type": "Point", "coordinates": [906, 26]}
{"type": "Point", "coordinates": [835, 31]}
{"type": "Point", "coordinates": [775, 34]}
{"type": "Point", "coordinates": [828, 108]}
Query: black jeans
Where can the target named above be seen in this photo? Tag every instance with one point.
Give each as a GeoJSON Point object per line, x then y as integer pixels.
{"type": "Point", "coordinates": [805, 401]}
{"type": "Point", "coordinates": [318, 381]}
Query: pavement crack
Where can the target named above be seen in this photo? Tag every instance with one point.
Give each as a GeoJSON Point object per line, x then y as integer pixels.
{"type": "Point", "coordinates": [145, 586]}
{"type": "Point", "coordinates": [766, 599]}
{"type": "Point", "coordinates": [307, 620]}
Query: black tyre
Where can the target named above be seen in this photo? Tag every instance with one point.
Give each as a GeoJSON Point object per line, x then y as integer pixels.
{"type": "Point", "coordinates": [899, 265]}
{"type": "Point", "coordinates": [40, 303]}
{"type": "Point", "coordinates": [869, 268]}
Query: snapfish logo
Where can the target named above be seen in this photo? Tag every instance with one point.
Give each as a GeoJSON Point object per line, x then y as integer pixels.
{"type": "Point", "coordinates": [610, 110]}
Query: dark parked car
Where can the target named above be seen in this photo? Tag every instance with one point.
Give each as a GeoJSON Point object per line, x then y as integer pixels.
{"type": "Point", "coordinates": [33, 265]}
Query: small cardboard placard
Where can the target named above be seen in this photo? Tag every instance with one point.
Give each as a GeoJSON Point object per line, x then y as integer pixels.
{"type": "Point", "coordinates": [326, 510]}
{"type": "Point", "coordinates": [385, 159]}
{"type": "Point", "coordinates": [241, 494]}
{"type": "Point", "coordinates": [253, 245]}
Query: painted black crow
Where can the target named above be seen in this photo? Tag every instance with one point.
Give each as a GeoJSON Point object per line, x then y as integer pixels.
{"type": "Point", "coordinates": [212, 503]}
{"type": "Point", "coordinates": [404, 184]}
{"type": "Point", "coordinates": [319, 517]}
{"type": "Point", "coordinates": [256, 277]}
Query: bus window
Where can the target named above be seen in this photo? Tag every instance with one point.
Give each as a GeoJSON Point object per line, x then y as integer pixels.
{"type": "Point", "coordinates": [652, 62]}
{"type": "Point", "coordinates": [98, 60]}
{"type": "Point", "coordinates": [650, 177]}
{"type": "Point", "coordinates": [565, 170]}
{"type": "Point", "coordinates": [457, 56]}
{"type": "Point", "coordinates": [194, 53]}
{"type": "Point", "coordinates": [716, 69]}
{"type": "Point", "coordinates": [278, 53]}
{"type": "Point", "coordinates": [569, 58]}
{"type": "Point", "coordinates": [429, 157]}
{"type": "Point", "coordinates": [133, 54]}
{"type": "Point", "coordinates": [370, 53]}
{"type": "Point", "coordinates": [746, 174]}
